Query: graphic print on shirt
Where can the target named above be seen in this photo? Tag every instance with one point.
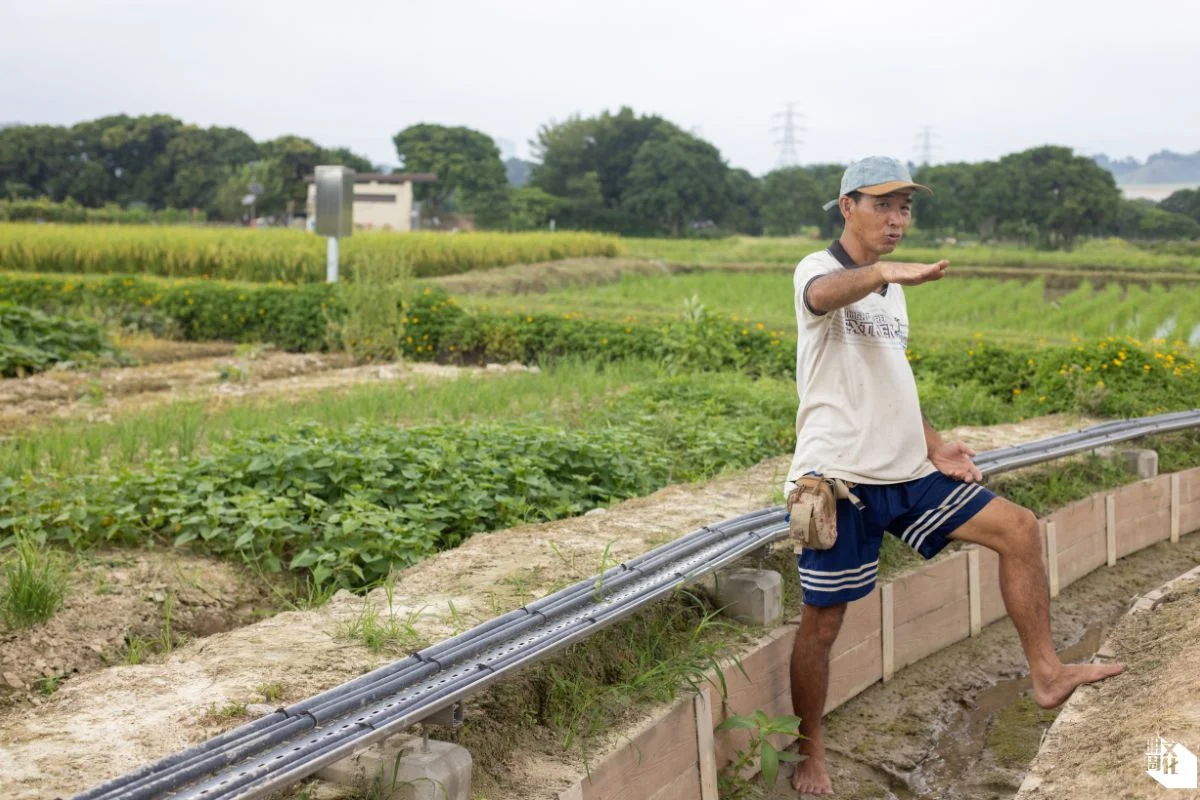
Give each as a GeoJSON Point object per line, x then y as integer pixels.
{"type": "Point", "coordinates": [872, 328]}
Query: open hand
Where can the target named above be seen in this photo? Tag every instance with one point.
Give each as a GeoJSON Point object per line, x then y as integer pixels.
{"type": "Point", "coordinates": [953, 459]}
{"type": "Point", "coordinates": [912, 274]}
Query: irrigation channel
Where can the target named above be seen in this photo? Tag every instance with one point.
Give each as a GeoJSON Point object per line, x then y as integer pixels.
{"type": "Point", "coordinates": [288, 745]}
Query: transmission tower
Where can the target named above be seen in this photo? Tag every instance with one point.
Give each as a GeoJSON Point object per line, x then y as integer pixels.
{"type": "Point", "coordinates": [788, 157]}
{"type": "Point", "coordinates": [925, 145]}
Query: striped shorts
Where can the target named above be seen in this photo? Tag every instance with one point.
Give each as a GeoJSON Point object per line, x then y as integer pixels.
{"type": "Point", "coordinates": [923, 513]}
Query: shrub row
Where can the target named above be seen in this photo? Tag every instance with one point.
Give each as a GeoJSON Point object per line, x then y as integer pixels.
{"type": "Point", "coordinates": [1111, 376]}
{"type": "Point", "coordinates": [31, 341]}
{"type": "Point", "coordinates": [45, 210]}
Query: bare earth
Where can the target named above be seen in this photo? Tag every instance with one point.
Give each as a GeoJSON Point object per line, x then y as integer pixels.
{"type": "Point", "coordinates": [1097, 749]}
{"type": "Point", "coordinates": [118, 596]}
{"type": "Point", "coordinates": [107, 722]}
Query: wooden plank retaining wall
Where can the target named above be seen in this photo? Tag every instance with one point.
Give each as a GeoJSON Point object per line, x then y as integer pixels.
{"type": "Point", "coordinates": [898, 624]}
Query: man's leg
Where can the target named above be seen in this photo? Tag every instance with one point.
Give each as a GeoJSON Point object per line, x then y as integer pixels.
{"type": "Point", "coordinates": [1012, 531]}
{"type": "Point", "coordinates": [819, 626]}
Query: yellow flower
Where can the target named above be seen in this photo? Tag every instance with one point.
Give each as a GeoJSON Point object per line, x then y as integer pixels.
{"type": "Point", "coordinates": [1041, 398]}
{"type": "Point", "coordinates": [1017, 391]}
{"type": "Point", "coordinates": [760, 326]}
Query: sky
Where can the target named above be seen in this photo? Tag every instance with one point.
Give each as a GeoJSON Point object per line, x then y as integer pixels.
{"type": "Point", "coordinates": [868, 77]}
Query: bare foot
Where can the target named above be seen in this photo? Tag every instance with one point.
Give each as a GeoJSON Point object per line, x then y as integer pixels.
{"type": "Point", "coordinates": [810, 776]}
{"type": "Point", "coordinates": [1055, 690]}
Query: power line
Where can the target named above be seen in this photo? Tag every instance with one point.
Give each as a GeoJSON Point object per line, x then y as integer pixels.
{"type": "Point", "coordinates": [788, 157]}
{"type": "Point", "coordinates": [925, 145]}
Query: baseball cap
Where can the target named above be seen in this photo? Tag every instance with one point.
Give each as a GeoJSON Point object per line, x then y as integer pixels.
{"type": "Point", "coordinates": [876, 175]}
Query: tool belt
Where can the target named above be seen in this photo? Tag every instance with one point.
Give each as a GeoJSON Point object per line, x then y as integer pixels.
{"type": "Point", "coordinates": [812, 510]}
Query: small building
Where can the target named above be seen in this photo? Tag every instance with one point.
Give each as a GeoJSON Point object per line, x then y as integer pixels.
{"type": "Point", "coordinates": [381, 201]}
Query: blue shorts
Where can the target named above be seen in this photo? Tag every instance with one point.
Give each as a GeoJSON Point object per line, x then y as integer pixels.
{"type": "Point", "coordinates": [922, 513]}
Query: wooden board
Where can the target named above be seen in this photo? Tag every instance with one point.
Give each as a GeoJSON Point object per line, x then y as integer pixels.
{"type": "Point", "coordinates": [973, 589]}
{"type": "Point", "coordinates": [1110, 529]}
{"type": "Point", "coordinates": [1052, 558]}
{"type": "Point", "coordinates": [991, 602]}
{"type": "Point", "coordinates": [769, 690]}
{"type": "Point", "coordinates": [1079, 529]}
{"type": "Point", "coordinates": [1189, 506]}
{"type": "Point", "coordinates": [661, 757]}
{"type": "Point", "coordinates": [932, 609]}
{"type": "Point", "coordinates": [1176, 500]}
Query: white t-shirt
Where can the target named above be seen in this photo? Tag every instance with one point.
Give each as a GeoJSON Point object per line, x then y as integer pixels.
{"type": "Point", "coordinates": [859, 417]}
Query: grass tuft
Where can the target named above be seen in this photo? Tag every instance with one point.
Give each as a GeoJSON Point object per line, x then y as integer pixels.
{"type": "Point", "coordinates": [35, 583]}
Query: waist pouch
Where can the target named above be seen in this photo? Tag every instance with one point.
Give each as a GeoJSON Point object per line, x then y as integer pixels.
{"type": "Point", "coordinates": [812, 510]}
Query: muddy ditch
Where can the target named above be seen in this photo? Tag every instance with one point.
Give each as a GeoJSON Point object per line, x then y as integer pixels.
{"type": "Point", "coordinates": [1100, 744]}
{"type": "Point", "coordinates": [961, 725]}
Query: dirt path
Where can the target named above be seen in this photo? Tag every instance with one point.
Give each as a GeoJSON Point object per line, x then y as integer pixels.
{"type": "Point", "coordinates": [1099, 746]}
{"type": "Point", "coordinates": [98, 395]}
{"type": "Point", "coordinates": [110, 721]}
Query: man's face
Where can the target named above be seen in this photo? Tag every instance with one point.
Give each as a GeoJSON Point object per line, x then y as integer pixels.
{"type": "Point", "coordinates": [881, 221]}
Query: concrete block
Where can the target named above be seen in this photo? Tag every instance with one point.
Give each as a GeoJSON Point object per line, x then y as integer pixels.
{"type": "Point", "coordinates": [424, 771]}
{"type": "Point", "coordinates": [752, 596]}
{"type": "Point", "coordinates": [1141, 461]}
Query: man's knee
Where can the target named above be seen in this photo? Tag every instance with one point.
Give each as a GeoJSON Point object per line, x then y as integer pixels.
{"type": "Point", "coordinates": [820, 624]}
{"type": "Point", "coordinates": [1026, 536]}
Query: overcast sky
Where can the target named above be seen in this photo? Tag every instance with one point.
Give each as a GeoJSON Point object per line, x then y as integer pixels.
{"type": "Point", "coordinates": [989, 78]}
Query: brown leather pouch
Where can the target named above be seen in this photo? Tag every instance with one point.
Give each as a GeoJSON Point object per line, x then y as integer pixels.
{"type": "Point", "coordinates": [812, 509]}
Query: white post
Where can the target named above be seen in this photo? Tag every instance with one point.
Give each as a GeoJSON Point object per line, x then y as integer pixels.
{"type": "Point", "coordinates": [331, 260]}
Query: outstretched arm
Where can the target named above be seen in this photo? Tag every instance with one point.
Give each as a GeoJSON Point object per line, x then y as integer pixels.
{"type": "Point", "coordinates": [837, 289]}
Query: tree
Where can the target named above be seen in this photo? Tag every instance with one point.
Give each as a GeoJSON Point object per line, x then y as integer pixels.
{"type": "Point", "coordinates": [676, 179]}
{"type": "Point", "coordinates": [953, 206]}
{"type": "Point", "coordinates": [744, 212]}
{"type": "Point", "coordinates": [199, 161]}
{"type": "Point", "coordinates": [467, 164]}
{"type": "Point", "coordinates": [35, 161]}
{"type": "Point", "coordinates": [829, 184]}
{"type": "Point", "coordinates": [1056, 192]}
{"type": "Point", "coordinates": [533, 208]}
{"type": "Point", "coordinates": [1142, 219]}
{"type": "Point", "coordinates": [791, 200]}
{"type": "Point", "coordinates": [347, 158]}
{"type": "Point", "coordinates": [275, 177]}
{"type": "Point", "coordinates": [1184, 201]}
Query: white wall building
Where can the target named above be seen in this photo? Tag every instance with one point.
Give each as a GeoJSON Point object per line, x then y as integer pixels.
{"type": "Point", "coordinates": [381, 202]}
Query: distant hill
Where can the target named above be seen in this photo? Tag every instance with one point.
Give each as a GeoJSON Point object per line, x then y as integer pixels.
{"type": "Point", "coordinates": [517, 171]}
{"type": "Point", "coordinates": [1162, 167]}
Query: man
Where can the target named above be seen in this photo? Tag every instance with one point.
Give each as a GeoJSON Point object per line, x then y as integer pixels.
{"type": "Point", "coordinates": [860, 420]}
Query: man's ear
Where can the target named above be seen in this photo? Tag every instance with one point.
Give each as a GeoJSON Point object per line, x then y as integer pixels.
{"type": "Point", "coordinates": [845, 203]}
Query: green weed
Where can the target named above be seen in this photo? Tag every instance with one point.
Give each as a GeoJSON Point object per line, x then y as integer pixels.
{"type": "Point", "coordinates": [35, 583]}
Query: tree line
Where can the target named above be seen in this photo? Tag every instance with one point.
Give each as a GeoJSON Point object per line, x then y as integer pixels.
{"type": "Point", "coordinates": [616, 171]}
{"type": "Point", "coordinates": [159, 162]}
